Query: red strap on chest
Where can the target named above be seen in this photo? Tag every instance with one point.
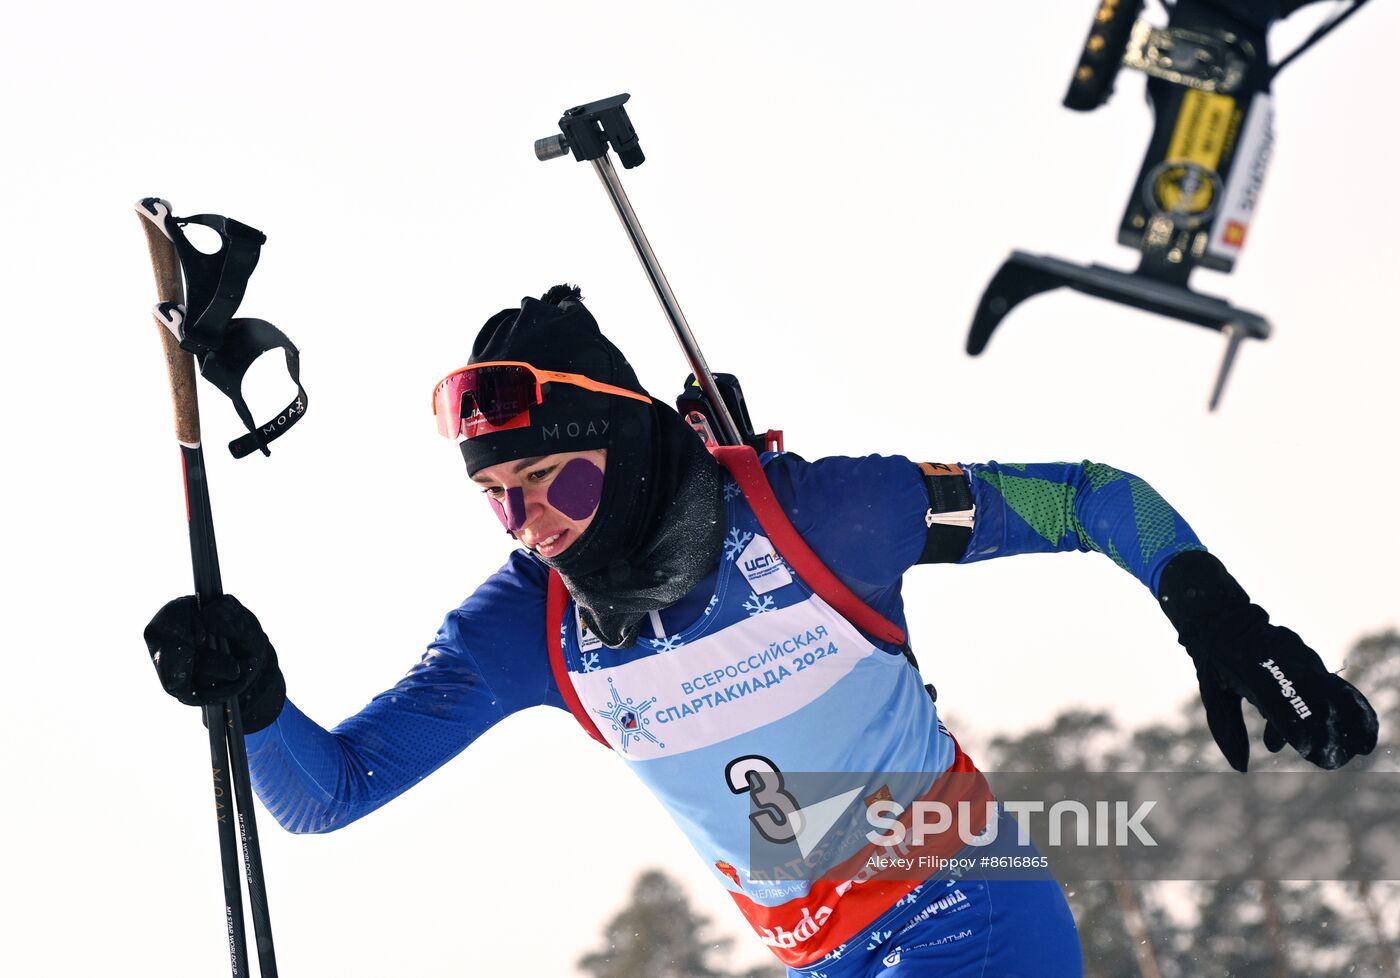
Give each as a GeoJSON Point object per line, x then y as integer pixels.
{"type": "Point", "coordinates": [556, 601]}
{"type": "Point", "coordinates": [742, 463]}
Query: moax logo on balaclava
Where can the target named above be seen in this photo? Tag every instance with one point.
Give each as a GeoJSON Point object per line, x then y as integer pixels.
{"type": "Point", "coordinates": [573, 429]}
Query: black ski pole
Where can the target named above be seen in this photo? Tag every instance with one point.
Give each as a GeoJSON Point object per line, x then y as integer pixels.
{"type": "Point", "coordinates": [223, 722]}
{"type": "Point", "coordinates": [252, 851]}
{"type": "Point", "coordinates": [234, 749]}
{"type": "Point", "coordinates": [208, 583]}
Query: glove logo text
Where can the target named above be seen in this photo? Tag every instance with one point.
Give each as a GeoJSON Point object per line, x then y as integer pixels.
{"type": "Point", "coordinates": [1287, 688]}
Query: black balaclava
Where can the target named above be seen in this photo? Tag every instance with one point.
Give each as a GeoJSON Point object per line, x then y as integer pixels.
{"type": "Point", "coordinates": [659, 526]}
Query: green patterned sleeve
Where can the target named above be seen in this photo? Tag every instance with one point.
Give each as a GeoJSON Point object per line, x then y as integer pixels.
{"type": "Point", "coordinates": [1049, 507]}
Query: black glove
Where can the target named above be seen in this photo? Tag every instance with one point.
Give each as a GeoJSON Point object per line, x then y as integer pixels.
{"type": "Point", "coordinates": [207, 655]}
{"type": "Point", "coordinates": [1238, 654]}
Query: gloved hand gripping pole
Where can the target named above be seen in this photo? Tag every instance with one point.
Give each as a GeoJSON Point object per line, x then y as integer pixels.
{"type": "Point", "coordinates": [587, 131]}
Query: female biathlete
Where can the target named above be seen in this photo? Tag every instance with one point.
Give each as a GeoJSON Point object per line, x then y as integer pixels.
{"type": "Point", "coordinates": [691, 645]}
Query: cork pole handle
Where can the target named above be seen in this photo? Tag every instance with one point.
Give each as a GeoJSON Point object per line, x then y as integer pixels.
{"type": "Point", "coordinates": [170, 289]}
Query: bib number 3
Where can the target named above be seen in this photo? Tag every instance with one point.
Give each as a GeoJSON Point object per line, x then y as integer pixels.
{"type": "Point", "coordinates": [777, 819]}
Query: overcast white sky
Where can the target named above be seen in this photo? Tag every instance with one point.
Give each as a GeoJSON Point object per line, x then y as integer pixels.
{"type": "Point", "coordinates": [829, 187]}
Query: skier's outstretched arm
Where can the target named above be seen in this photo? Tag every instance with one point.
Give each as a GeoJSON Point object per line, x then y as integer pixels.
{"type": "Point", "coordinates": [1238, 654]}
{"type": "Point", "coordinates": [487, 661]}
{"type": "Point", "coordinates": [873, 518]}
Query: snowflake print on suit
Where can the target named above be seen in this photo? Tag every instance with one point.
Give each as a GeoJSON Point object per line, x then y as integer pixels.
{"type": "Point", "coordinates": [735, 543]}
{"type": "Point", "coordinates": [757, 604]}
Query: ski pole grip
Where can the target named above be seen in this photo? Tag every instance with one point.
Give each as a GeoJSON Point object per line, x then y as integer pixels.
{"type": "Point", "coordinates": [169, 315]}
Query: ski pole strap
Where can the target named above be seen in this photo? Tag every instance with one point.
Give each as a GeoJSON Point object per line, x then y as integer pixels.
{"type": "Point", "coordinates": [556, 601]}
{"type": "Point", "coordinates": [742, 463]}
{"type": "Point", "coordinates": [214, 284]}
{"type": "Point", "coordinates": [245, 341]}
{"type": "Point", "coordinates": [223, 346]}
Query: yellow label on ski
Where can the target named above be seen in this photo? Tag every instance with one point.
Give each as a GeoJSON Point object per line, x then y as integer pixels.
{"type": "Point", "coordinates": [1202, 128]}
{"type": "Point", "coordinates": [1187, 182]}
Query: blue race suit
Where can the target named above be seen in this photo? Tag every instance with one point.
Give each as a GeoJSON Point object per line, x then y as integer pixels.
{"type": "Point", "coordinates": [751, 662]}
